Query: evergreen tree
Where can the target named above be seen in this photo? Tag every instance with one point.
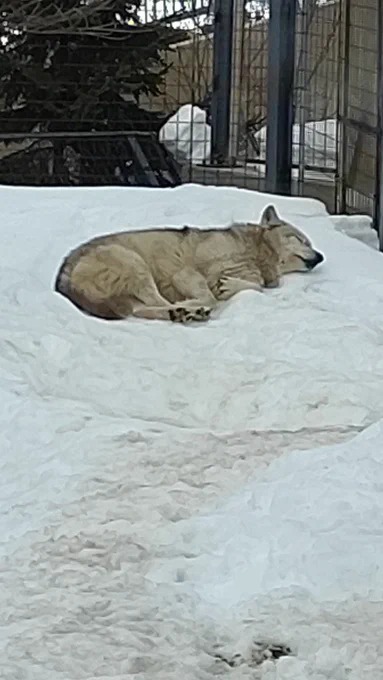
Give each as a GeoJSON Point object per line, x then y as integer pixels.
{"type": "Point", "coordinates": [79, 66]}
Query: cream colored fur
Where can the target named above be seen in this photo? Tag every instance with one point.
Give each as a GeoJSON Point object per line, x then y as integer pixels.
{"type": "Point", "coordinates": [181, 275]}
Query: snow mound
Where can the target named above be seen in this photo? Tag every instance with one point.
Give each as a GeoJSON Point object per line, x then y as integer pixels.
{"type": "Point", "coordinates": [359, 227]}
{"type": "Point", "coordinates": [320, 143]}
{"type": "Point", "coordinates": [309, 524]}
{"type": "Point", "coordinates": [113, 437]}
{"type": "Point", "coordinates": [187, 135]}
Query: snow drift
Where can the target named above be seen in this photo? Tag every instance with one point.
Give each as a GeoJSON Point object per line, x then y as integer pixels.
{"type": "Point", "coordinates": [114, 434]}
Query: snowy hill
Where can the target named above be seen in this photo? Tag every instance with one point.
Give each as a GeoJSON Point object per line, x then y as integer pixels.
{"type": "Point", "coordinates": [155, 503]}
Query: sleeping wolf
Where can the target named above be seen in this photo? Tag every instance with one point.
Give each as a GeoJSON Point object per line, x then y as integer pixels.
{"type": "Point", "coordinates": [181, 275]}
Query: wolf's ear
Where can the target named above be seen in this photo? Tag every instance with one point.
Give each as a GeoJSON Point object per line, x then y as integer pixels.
{"type": "Point", "coordinates": [270, 218]}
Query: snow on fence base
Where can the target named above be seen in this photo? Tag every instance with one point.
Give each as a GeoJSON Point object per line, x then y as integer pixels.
{"type": "Point", "coordinates": [320, 143]}
{"type": "Point", "coordinates": [187, 135]}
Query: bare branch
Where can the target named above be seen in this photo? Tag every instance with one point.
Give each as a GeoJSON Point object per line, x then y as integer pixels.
{"type": "Point", "coordinates": [29, 17]}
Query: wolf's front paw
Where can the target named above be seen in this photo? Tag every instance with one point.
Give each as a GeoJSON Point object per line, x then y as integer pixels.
{"type": "Point", "coordinates": [201, 313]}
{"type": "Point", "coordinates": [273, 283]}
{"type": "Point", "coordinates": [187, 315]}
{"type": "Point", "coordinates": [225, 288]}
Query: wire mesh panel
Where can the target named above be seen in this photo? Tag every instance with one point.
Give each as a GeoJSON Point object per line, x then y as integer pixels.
{"type": "Point", "coordinates": [358, 113]}
{"type": "Point", "coordinates": [191, 83]}
{"type": "Point", "coordinates": [72, 67]}
{"type": "Point", "coordinates": [315, 133]}
{"type": "Point", "coordinates": [159, 92]}
{"type": "Point", "coordinates": [328, 160]}
{"type": "Point", "coordinates": [73, 77]}
{"type": "Point", "coordinates": [93, 159]}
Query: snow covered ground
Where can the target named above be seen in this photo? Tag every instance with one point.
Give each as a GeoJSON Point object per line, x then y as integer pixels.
{"type": "Point", "coordinates": [163, 500]}
{"type": "Point", "coordinates": [320, 143]}
{"type": "Point", "coordinates": [357, 226]}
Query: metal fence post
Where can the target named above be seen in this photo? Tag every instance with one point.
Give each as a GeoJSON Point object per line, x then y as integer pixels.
{"type": "Point", "coordinates": [221, 96]}
{"type": "Point", "coordinates": [236, 113]}
{"type": "Point", "coordinates": [280, 82]}
{"type": "Point", "coordinates": [302, 106]}
{"type": "Point", "coordinates": [343, 113]}
{"type": "Point", "coordinates": [378, 208]}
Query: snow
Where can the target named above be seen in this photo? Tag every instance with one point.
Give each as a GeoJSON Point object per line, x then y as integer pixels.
{"type": "Point", "coordinates": [320, 140]}
{"type": "Point", "coordinates": [305, 503]}
{"type": "Point", "coordinates": [164, 499]}
{"type": "Point", "coordinates": [305, 534]}
{"type": "Point", "coordinates": [357, 226]}
{"type": "Point", "coordinates": [187, 135]}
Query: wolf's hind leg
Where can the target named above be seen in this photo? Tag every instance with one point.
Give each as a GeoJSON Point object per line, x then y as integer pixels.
{"type": "Point", "coordinates": [139, 281]}
{"type": "Point", "coordinates": [193, 286]}
{"type": "Point", "coordinates": [110, 278]}
{"type": "Point", "coordinates": [124, 272]}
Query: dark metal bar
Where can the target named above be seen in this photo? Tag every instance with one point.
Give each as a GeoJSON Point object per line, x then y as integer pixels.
{"type": "Point", "coordinates": [343, 117]}
{"type": "Point", "coordinates": [8, 136]}
{"type": "Point", "coordinates": [301, 107]}
{"type": "Point", "coordinates": [378, 204]}
{"type": "Point", "coordinates": [221, 96]}
{"type": "Point", "coordinates": [338, 134]}
{"type": "Point", "coordinates": [280, 82]}
{"type": "Point", "coordinates": [259, 161]}
{"type": "Point", "coordinates": [143, 162]}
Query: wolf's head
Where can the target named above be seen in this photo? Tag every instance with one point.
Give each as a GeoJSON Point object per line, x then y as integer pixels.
{"type": "Point", "coordinates": [295, 251]}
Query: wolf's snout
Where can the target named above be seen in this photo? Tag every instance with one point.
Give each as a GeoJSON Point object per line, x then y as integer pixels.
{"type": "Point", "coordinates": [313, 261]}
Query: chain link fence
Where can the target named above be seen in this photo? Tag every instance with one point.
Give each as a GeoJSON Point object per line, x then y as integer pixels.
{"type": "Point", "coordinates": [161, 92]}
